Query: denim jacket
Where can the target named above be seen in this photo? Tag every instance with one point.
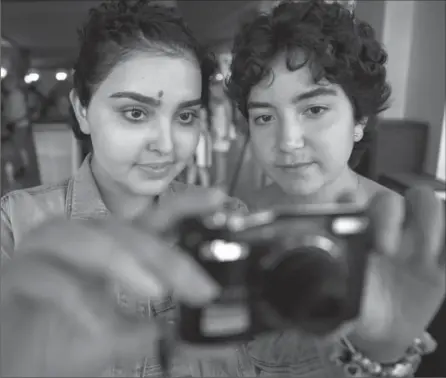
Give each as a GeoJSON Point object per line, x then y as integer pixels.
{"type": "Point", "coordinates": [284, 354]}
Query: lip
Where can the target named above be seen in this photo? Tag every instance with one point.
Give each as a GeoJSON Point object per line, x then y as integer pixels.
{"type": "Point", "coordinates": [157, 165]}
{"type": "Point", "coordinates": [295, 165]}
{"type": "Point", "coordinates": [298, 167]}
{"type": "Point", "coordinates": [156, 170]}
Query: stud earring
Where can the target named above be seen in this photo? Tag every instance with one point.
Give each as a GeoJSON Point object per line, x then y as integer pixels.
{"type": "Point", "coordinates": [358, 134]}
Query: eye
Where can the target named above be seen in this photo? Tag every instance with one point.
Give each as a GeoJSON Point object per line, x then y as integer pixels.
{"type": "Point", "coordinates": [315, 111]}
{"type": "Point", "coordinates": [187, 118]}
{"type": "Point", "coordinates": [263, 119]}
{"type": "Point", "coordinates": [134, 114]}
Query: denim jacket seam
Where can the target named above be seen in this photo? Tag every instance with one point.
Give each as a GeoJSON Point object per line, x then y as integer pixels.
{"type": "Point", "coordinates": [42, 189]}
{"type": "Point", "coordinates": [6, 217]}
{"type": "Point", "coordinates": [69, 198]}
{"type": "Point", "coordinates": [6, 208]}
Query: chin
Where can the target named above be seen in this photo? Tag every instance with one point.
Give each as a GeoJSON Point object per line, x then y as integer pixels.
{"type": "Point", "coordinates": [143, 185]}
{"type": "Point", "coordinates": [301, 187]}
{"type": "Point", "coordinates": [152, 187]}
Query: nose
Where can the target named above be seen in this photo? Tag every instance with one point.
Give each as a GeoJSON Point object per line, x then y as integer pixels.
{"type": "Point", "coordinates": [290, 133]}
{"type": "Point", "coordinates": [162, 141]}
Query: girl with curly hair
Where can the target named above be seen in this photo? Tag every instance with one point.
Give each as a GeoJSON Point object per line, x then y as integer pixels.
{"type": "Point", "coordinates": [308, 76]}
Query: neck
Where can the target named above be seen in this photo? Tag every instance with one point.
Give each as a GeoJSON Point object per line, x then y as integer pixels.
{"type": "Point", "coordinates": [346, 182]}
{"type": "Point", "coordinates": [119, 201]}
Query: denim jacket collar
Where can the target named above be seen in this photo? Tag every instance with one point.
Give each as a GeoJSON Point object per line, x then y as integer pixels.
{"type": "Point", "coordinates": [83, 197]}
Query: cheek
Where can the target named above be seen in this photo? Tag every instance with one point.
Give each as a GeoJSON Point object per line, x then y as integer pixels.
{"type": "Point", "coordinates": [113, 140]}
{"type": "Point", "coordinates": [185, 142]}
{"type": "Point", "coordinates": [263, 142]}
{"type": "Point", "coordinates": [333, 144]}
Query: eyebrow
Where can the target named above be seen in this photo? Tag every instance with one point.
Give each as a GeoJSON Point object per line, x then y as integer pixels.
{"type": "Point", "coordinates": [152, 101]}
{"type": "Point", "coordinates": [321, 91]}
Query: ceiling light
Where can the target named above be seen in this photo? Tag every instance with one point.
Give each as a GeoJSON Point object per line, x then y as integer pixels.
{"type": "Point", "coordinates": [61, 76]}
{"type": "Point", "coordinates": [32, 77]}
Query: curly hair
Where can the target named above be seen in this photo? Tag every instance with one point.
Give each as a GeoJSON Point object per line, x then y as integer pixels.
{"type": "Point", "coordinates": [117, 29]}
{"type": "Point", "coordinates": [338, 47]}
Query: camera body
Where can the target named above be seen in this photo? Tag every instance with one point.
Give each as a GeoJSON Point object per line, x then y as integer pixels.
{"type": "Point", "coordinates": [295, 267]}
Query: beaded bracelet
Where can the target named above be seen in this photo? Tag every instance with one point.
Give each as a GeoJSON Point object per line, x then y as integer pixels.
{"type": "Point", "coordinates": [355, 364]}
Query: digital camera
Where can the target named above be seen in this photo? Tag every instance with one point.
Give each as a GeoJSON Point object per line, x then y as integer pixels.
{"type": "Point", "coordinates": [296, 267]}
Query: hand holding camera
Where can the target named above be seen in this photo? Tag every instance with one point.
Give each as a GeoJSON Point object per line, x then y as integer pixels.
{"type": "Point", "coordinates": [310, 269]}
{"type": "Point", "coordinates": [61, 283]}
{"type": "Point", "coordinates": [315, 269]}
{"type": "Point", "coordinates": [283, 268]}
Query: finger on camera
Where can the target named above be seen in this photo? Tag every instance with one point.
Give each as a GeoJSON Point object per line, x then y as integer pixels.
{"type": "Point", "coordinates": [158, 266]}
{"type": "Point", "coordinates": [386, 212]}
{"type": "Point", "coordinates": [118, 252]}
{"type": "Point", "coordinates": [200, 201]}
{"type": "Point", "coordinates": [348, 198]}
{"type": "Point", "coordinates": [184, 276]}
{"type": "Point", "coordinates": [107, 250]}
{"type": "Point", "coordinates": [425, 218]}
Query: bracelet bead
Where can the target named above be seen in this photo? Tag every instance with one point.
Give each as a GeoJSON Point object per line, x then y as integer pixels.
{"type": "Point", "coordinates": [356, 365]}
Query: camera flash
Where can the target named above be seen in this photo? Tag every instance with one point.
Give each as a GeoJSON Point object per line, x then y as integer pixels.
{"type": "Point", "coordinates": [349, 225]}
{"type": "Point", "coordinates": [226, 251]}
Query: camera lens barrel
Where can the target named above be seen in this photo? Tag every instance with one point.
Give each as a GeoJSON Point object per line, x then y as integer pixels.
{"type": "Point", "coordinates": [307, 287]}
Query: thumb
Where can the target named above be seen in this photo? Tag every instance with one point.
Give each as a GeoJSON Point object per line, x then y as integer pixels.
{"type": "Point", "coordinates": [166, 216]}
{"type": "Point", "coordinates": [387, 213]}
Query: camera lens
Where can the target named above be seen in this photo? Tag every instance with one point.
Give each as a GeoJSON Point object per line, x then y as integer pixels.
{"type": "Point", "coordinates": [307, 287]}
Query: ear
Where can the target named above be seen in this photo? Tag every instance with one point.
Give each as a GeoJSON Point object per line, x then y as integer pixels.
{"type": "Point", "coordinates": [363, 123]}
{"type": "Point", "coordinates": [80, 112]}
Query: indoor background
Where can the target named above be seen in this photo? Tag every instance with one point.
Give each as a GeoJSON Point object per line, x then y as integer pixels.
{"type": "Point", "coordinates": [39, 42]}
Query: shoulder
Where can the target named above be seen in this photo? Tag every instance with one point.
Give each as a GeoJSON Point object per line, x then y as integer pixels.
{"type": "Point", "coordinates": [36, 193]}
{"type": "Point", "coordinates": [232, 203]}
{"type": "Point", "coordinates": [372, 188]}
{"type": "Point", "coordinates": [22, 210]}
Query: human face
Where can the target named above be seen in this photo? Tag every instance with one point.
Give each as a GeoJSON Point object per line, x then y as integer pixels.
{"type": "Point", "coordinates": [144, 121]}
{"type": "Point", "coordinates": [302, 132]}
